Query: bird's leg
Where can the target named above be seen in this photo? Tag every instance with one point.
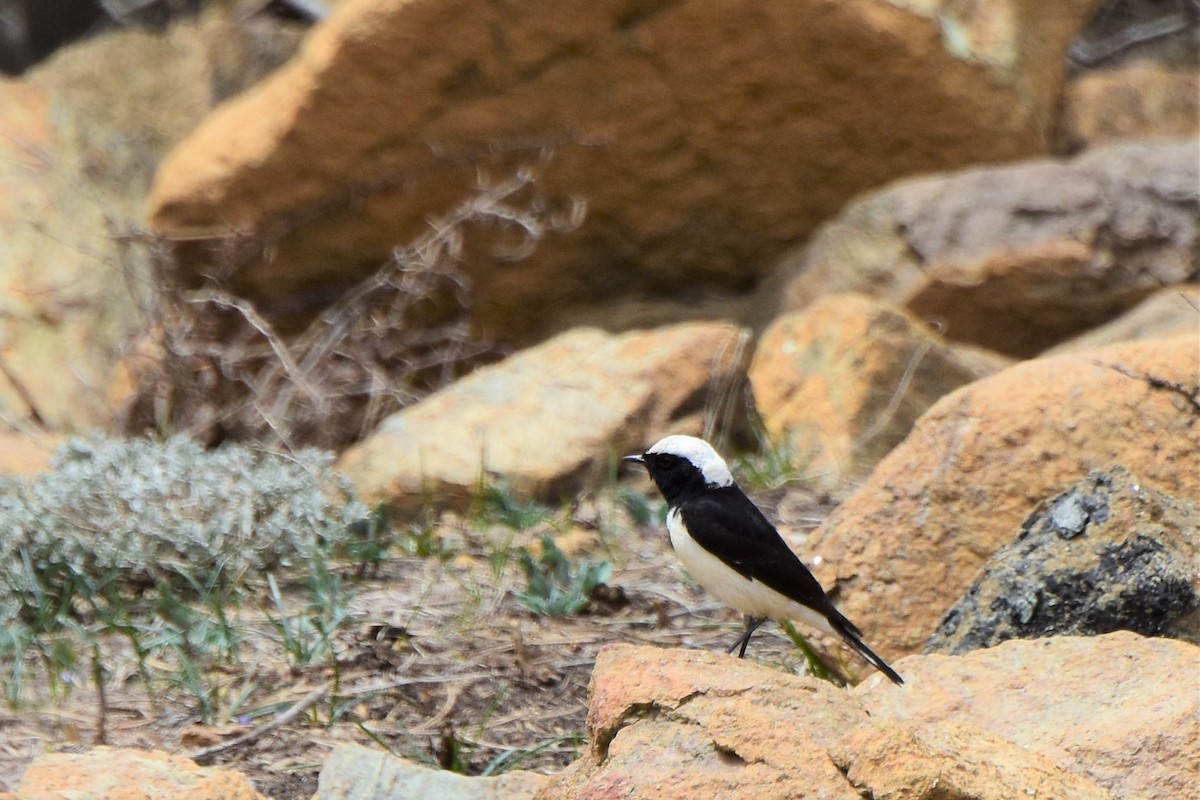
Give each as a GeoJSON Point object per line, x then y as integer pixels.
{"type": "Point", "coordinates": [752, 624]}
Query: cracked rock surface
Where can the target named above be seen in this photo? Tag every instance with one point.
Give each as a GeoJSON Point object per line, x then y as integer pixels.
{"type": "Point", "coordinates": [1047, 718]}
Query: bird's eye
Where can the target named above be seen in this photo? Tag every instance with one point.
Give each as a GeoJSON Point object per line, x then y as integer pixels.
{"type": "Point", "coordinates": [668, 460]}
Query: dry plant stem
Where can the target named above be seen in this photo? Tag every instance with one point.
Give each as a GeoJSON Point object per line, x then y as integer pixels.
{"type": "Point", "coordinates": [101, 697]}
{"type": "Point", "coordinates": [1190, 395]}
{"type": "Point", "coordinates": [306, 702]}
{"type": "Point", "coordinates": [453, 693]}
{"type": "Point", "coordinates": [24, 394]}
{"type": "Point", "coordinates": [382, 345]}
{"type": "Point", "coordinates": [885, 416]}
{"type": "Point", "coordinates": [262, 326]}
{"type": "Point", "coordinates": [1190, 302]}
{"type": "Point", "coordinates": [719, 415]}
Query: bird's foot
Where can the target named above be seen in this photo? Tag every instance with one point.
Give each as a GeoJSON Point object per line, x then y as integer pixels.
{"type": "Point", "coordinates": [752, 624]}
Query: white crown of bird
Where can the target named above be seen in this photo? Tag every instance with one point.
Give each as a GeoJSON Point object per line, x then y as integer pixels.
{"type": "Point", "coordinates": [700, 453]}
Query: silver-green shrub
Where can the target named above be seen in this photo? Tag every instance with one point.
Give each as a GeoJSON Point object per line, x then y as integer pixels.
{"type": "Point", "coordinates": [120, 516]}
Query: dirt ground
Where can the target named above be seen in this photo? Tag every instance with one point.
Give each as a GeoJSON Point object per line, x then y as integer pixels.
{"type": "Point", "coordinates": [438, 662]}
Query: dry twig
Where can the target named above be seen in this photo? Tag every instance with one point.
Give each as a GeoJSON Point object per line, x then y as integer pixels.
{"type": "Point", "coordinates": [280, 720]}
{"type": "Point", "coordinates": [226, 371]}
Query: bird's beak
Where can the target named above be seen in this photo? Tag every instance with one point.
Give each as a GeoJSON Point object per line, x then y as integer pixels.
{"type": "Point", "coordinates": [635, 459]}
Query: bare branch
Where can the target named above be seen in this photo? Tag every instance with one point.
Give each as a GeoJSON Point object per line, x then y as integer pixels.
{"type": "Point", "coordinates": [398, 334]}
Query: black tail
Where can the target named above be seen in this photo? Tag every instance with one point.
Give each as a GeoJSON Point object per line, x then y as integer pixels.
{"type": "Point", "coordinates": [852, 636]}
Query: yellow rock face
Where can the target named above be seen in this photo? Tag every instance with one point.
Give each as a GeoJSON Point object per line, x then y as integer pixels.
{"type": "Point", "coordinates": [841, 383]}
{"type": "Point", "coordinates": [548, 419]}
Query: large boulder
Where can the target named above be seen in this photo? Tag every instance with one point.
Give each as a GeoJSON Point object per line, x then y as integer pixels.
{"type": "Point", "coordinates": [705, 137]}
{"type": "Point", "coordinates": [1067, 717]}
{"type": "Point", "coordinates": [904, 547]}
{"type": "Point", "coordinates": [74, 168]}
{"type": "Point", "coordinates": [1017, 258]}
{"type": "Point", "coordinates": [840, 383]}
{"type": "Point", "coordinates": [1107, 554]}
{"type": "Point", "coordinates": [549, 419]}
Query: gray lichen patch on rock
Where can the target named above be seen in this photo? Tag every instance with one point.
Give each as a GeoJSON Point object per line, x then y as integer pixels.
{"type": "Point", "coordinates": [1107, 554]}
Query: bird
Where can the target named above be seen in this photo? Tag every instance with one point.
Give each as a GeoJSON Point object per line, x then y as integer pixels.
{"type": "Point", "coordinates": [730, 547]}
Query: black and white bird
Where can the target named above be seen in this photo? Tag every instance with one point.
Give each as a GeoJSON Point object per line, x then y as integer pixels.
{"type": "Point", "coordinates": [733, 551]}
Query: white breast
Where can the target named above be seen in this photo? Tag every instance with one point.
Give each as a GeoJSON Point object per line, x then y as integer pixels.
{"type": "Point", "coordinates": [727, 585]}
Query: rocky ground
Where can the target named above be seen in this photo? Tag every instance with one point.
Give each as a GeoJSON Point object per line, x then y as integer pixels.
{"type": "Point", "coordinates": [930, 276]}
{"type": "Point", "coordinates": [437, 662]}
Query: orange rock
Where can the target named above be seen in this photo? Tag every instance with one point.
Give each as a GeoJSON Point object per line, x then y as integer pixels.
{"type": "Point", "coordinates": [839, 384]}
{"type": "Point", "coordinates": [1069, 717]}
{"type": "Point", "coordinates": [704, 136]}
{"type": "Point", "coordinates": [690, 724]}
{"type": "Point", "coordinates": [1111, 708]}
{"type": "Point", "coordinates": [547, 420]}
{"type": "Point", "coordinates": [116, 774]}
{"type": "Point", "coordinates": [902, 549]}
{"type": "Point", "coordinates": [1136, 100]}
{"type": "Point", "coordinates": [901, 759]}
{"type": "Point", "coordinates": [25, 454]}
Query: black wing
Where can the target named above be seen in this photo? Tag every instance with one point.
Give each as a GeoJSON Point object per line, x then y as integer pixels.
{"type": "Point", "coordinates": [727, 524]}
